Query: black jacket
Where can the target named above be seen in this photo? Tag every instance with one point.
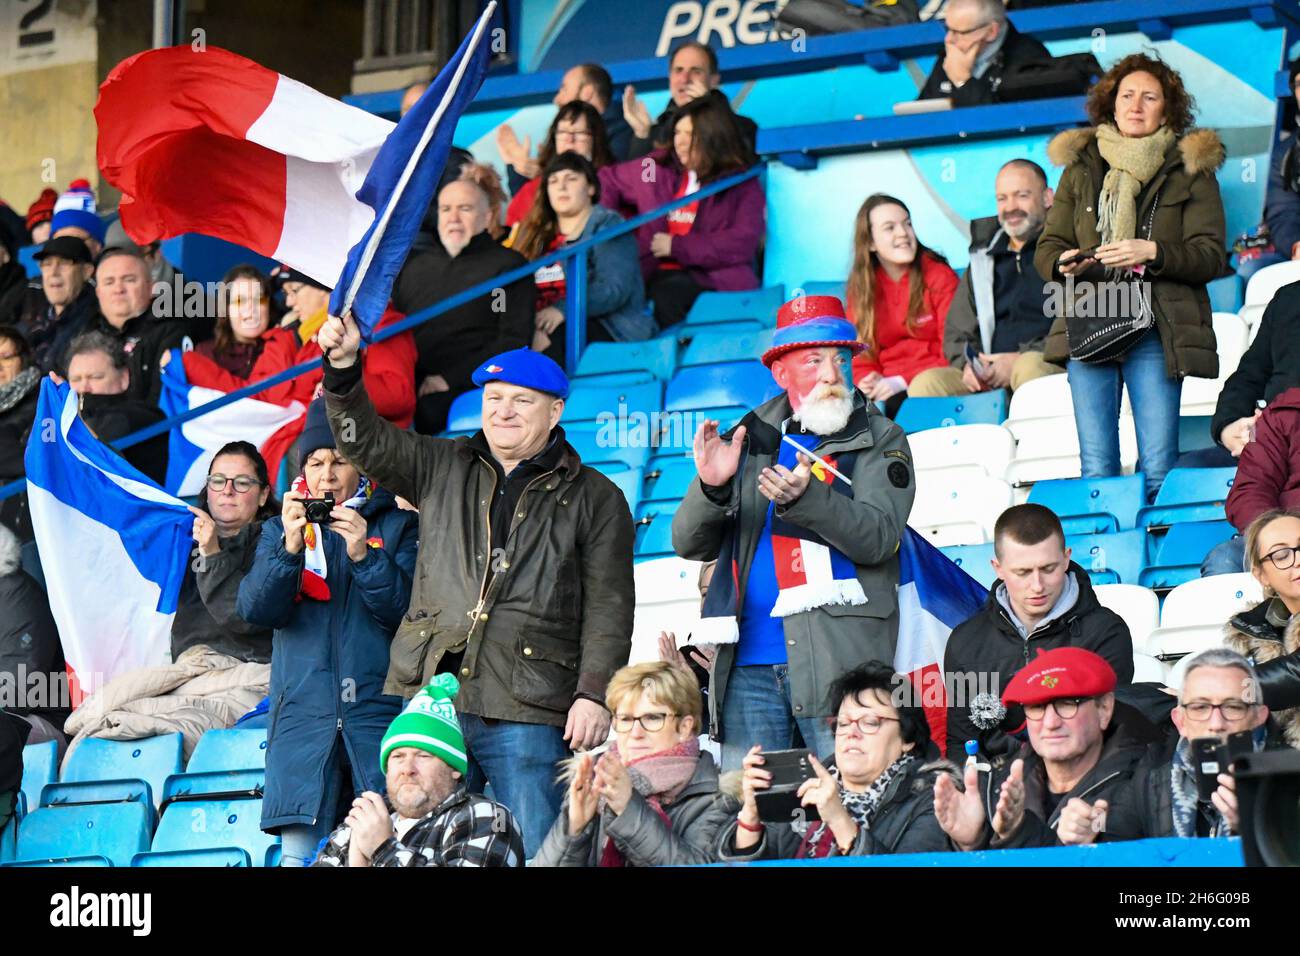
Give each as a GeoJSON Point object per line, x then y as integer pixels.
{"type": "Point", "coordinates": [1124, 744]}
{"type": "Point", "coordinates": [48, 334]}
{"type": "Point", "coordinates": [1017, 48]}
{"type": "Point", "coordinates": [456, 343]}
{"type": "Point", "coordinates": [205, 613]}
{"type": "Point", "coordinates": [13, 289]}
{"type": "Point", "coordinates": [904, 823]}
{"type": "Point", "coordinates": [986, 651]}
{"type": "Point", "coordinates": [14, 732]}
{"type": "Point", "coordinates": [29, 645]}
{"type": "Point", "coordinates": [15, 425]}
{"type": "Point", "coordinates": [144, 339]}
{"type": "Point", "coordinates": [661, 131]}
{"type": "Point", "coordinates": [1270, 366]}
{"type": "Point", "coordinates": [111, 417]}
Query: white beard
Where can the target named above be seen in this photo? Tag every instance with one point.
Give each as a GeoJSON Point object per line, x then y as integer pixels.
{"type": "Point", "coordinates": [824, 416]}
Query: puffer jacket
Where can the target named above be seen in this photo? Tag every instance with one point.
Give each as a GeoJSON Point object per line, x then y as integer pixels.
{"type": "Point", "coordinates": [1188, 228]}
{"type": "Point", "coordinates": [904, 823]}
{"type": "Point", "coordinates": [1268, 472]}
{"type": "Point", "coordinates": [328, 658]}
{"type": "Point", "coordinates": [824, 642]}
{"type": "Point", "coordinates": [697, 815]}
{"type": "Point", "coordinates": [555, 619]}
{"type": "Point", "coordinates": [988, 647]}
{"type": "Point", "coordinates": [1259, 635]}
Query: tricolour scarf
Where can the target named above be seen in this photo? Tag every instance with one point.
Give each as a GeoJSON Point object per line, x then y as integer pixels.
{"type": "Point", "coordinates": [810, 573]}
{"type": "Point", "coordinates": [314, 570]}
{"type": "Point", "coordinates": [660, 778]}
{"type": "Point", "coordinates": [1133, 161]}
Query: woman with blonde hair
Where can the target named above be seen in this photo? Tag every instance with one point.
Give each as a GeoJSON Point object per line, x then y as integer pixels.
{"type": "Point", "coordinates": [652, 798]}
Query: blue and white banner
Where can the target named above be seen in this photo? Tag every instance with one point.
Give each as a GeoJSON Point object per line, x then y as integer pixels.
{"type": "Point", "coordinates": [113, 546]}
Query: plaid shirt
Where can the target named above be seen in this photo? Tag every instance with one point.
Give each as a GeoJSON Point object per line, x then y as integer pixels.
{"type": "Point", "coordinates": [463, 830]}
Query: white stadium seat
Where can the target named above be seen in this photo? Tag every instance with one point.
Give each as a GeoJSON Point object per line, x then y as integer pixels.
{"type": "Point", "coordinates": [1194, 614]}
{"type": "Point", "coordinates": [1201, 395]}
{"type": "Point", "coordinates": [1148, 670]}
{"type": "Point", "coordinates": [1138, 606]}
{"type": "Point", "coordinates": [984, 448]}
{"type": "Point", "coordinates": [667, 599]}
{"type": "Point", "coordinates": [1260, 289]}
{"type": "Point", "coordinates": [958, 510]}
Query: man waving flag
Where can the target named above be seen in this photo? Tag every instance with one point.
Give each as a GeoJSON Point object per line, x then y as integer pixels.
{"type": "Point", "coordinates": [208, 141]}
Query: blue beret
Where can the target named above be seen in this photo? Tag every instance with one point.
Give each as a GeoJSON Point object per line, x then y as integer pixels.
{"type": "Point", "coordinates": [525, 368]}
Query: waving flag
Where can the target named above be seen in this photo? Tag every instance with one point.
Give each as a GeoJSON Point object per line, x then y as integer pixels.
{"type": "Point", "coordinates": [934, 596]}
{"type": "Point", "coordinates": [208, 141]}
{"type": "Point", "coordinates": [271, 427]}
{"type": "Point", "coordinates": [113, 546]}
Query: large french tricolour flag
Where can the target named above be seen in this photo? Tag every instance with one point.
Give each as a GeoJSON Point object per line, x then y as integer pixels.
{"type": "Point", "coordinates": [204, 140]}
{"type": "Point", "coordinates": [191, 446]}
{"type": "Point", "coordinates": [934, 596]}
{"type": "Point", "coordinates": [113, 546]}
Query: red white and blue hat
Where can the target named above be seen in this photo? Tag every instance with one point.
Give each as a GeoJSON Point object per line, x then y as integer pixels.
{"type": "Point", "coordinates": [812, 321]}
{"type": "Point", "coordinates": [77, 208]}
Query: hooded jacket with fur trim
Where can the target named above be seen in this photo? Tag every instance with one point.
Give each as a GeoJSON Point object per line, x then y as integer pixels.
{"type": "Point", "coordinates": [1187, 227]}
{"type": "Point", "coordinates": [1256, 635]}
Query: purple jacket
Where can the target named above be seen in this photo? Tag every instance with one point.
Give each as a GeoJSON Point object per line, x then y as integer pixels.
{"type": "Point", "coordinates": [720, 250]}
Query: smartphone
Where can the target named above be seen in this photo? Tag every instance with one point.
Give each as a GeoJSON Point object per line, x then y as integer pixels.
{"type": "Point", "coordinates": [1209, 759]}
{"type": "Point", "coordinates": [973, 360]}
{"type": "Point", "coordinates": [779, 803]}
{"type": "Point", "coordinates": [1079, 256]}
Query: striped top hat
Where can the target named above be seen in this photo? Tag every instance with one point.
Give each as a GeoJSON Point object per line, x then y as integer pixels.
{"type": "Point", "coordinates": [812, 321]}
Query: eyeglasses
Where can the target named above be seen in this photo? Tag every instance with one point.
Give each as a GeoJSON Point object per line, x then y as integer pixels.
{"type": "Point", "coordinates": [1282, 558]}
{"type": "Point", "coordinates": [243, 484]}
{"type": "Point", "coordinates": [1065, 707]}
{"type": "Point", "coordinates": [1231, 709]}
{"type": "Point", "coordinates": [964, 33]}
{"type": "Point", "coordinates": [867, 724]}
{"type": "Point", "coordinates": [239, 302]}
{"type": "Point", "coordinates": [573, 133]}
{"type": "Point", "coordinates": [650, 723]}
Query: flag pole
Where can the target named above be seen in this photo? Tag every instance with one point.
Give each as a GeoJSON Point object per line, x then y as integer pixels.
{"type": "Point", "coordinates": [368, 254]}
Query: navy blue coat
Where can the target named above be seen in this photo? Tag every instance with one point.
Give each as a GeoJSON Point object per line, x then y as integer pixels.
{"type": "Point", "coordinates": [329, 659]}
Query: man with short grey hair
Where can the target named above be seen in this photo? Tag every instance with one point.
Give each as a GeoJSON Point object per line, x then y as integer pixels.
{"type": "Point", "coordinates": [979, 47]}
{"type": "Point", "coordinates": [1219, 697]}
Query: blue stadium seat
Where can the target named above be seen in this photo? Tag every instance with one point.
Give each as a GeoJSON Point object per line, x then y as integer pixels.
{"type": "Point", "coordinates": [9, 839]}
{"type": "Point", "coordinates": [729, 385]}
{"type": "Point", "coordinates": [80, 862]}
{"type": "Point", "coordinates": [1092, 505]}
{"type": "Point", "coordinates": [669, 480]}
{"type": "Point", "coordinates": [605, 446]}
{"type": "Point", "coordinates": [233, 749]}
{"type": "Point", "coordinates": [218, 856]}
{"type": "Point", "coordinates": [1189, 494]}
{"type": "Point", "coordinates": [30, 559]}
{"type": "Point", "coordinates": [116, 831]}
{"type": "Point", "coordinates": [152, 760]}
{"type": "Point", "coordinates": [918, 414]}
{"type": "Point", "coordinates": [100, 791]}
{"type": "Point", "coordinates": [1194, 433]}
{"type": "Point", "coordinates": [974, 560]}
{"type": "Point", "coordinates": [40, 766]}
{"type": "Point", "coordinates": [1180, 552]}
{"type": "Point", "coordinates": [835, 287]}
{"type": "Point", "coordinates": [211, 824]}
{"type": "Point", "coordinates": [614, 363]}
{"type": "Point", "coordinates": [1110, 558]}
{"type": "Point", "coordinates": [588, 403]}
{"type": "Point", "coordinates": [226, 784]}
{"type": "Point", "coordinates": [1225, 294]}
{"type": "Point", "coordinates": [759, 305]}
{"type": "Point", "coordinates": [629, 482]}
{"type": "Point", "coordinates": [466, 414]}
{"type": "Point", "coordinates": [714, 347]}
{"type": "Point", "coordinates": [655, 531]}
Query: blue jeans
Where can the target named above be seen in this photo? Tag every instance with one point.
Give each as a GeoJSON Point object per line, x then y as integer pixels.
{"type": "Point", "coordinates": [1229, 557]}
{"type": "Point", "coordinates": [757, 710]}
{"type": "Point", "coordinates": [1096, 389]}
{"type": "Point", "coordinates": [300, 841]}
{"type": "Point", "coordinates": [519, 761]}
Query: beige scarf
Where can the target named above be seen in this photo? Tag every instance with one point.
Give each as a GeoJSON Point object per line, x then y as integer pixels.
{"type": "Point", "coordinates": [1133, 161]}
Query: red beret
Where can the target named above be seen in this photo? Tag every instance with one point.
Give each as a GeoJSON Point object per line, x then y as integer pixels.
{"type": "Point", "coordinates": [1063, 672]}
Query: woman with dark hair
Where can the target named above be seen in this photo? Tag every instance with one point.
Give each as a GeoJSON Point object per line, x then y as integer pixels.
{"type": "Point", "coordinates": [565, 212]}
{"type": "Point", "coordinates": [898, 295]}
{"type": "Point", "coordinates": [247, 345]}
{"type": "Point", "coordinates": [709, 244]}
{"type": "Point", "coordinates": [234, 502]}
{"type": "Point", "coordinates": [878, 796]}
{"type": "Point", "coordinates": [577, 128]}
{"type": "Point", "coordinates": [1135, 231]}
{"type": "Point", "coordinates": [20, 386]}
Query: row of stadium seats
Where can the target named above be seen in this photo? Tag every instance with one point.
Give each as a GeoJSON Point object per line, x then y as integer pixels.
{"type": "Point", "coordinates": [134, 803]}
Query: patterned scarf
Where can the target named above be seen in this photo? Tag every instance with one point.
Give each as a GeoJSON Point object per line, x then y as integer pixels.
{"type": "Point", "coordinates": [314, 569]}
{"type": "Point", "coordinates": [1133, 161]}
{"type": "Point", "coordinates": [1185, 804]}
{"type": "Point", "coordinates": [13, 392]}
{"type": "Point", "coordinates": [862, 808]}
{"type": "Point", "coordinates": [659, 777]}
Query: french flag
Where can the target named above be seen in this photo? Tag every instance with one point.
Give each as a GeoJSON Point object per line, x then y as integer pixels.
{"type": "Point", "coordinates": [934, 596]}
{"type": "Point", "coordinates": [192, 445]}
{"type": "Point", "coordinates": [204, 140]}
{"type": "Point", "coordinates": [113, 547]}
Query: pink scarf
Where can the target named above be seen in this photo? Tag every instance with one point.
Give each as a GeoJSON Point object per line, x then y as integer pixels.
{"type": "Point", "coordinates": [659, 777]}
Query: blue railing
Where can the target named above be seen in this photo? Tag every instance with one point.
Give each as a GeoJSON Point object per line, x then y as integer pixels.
{"type": "Point", "coordinates": [575, 320]}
